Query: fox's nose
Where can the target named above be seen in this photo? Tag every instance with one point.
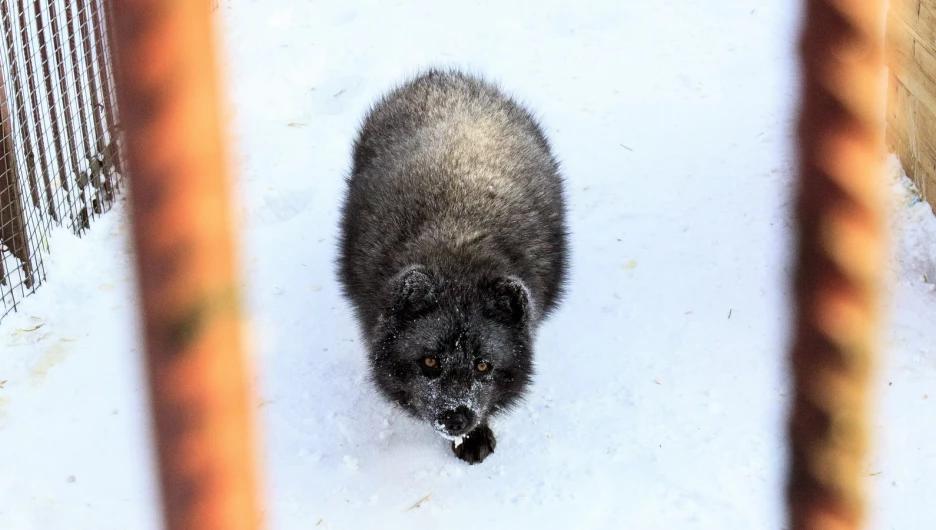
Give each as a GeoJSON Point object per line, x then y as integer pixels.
{"type": "Point", "coordinates": [456, 421]}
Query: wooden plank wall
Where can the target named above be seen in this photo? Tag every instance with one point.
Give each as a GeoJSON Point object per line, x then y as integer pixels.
{"type": "Point", "coordinates": [911, 91]}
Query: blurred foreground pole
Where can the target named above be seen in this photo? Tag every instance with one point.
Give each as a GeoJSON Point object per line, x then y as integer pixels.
{"type": "Point", "coordinates": [840, 253]}
{"type": "Point", "coordinates": [169, 106]}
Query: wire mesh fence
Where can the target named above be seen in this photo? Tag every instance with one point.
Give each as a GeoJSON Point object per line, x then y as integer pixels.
{"type": "Point", "coordinates": [59, 151]}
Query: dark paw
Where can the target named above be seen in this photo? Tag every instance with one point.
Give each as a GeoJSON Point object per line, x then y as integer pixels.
{"type": "Point", "coordinates": [476, 445]}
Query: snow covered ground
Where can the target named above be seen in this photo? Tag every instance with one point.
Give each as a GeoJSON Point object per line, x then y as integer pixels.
{"type": "Point", "coordinates": [661, 390]}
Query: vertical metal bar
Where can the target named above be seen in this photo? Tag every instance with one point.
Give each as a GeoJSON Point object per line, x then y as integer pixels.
{"type": "Point", "coordinates": [31, 74]}
{"type": "Point", "coordinates": [840, 254]}
{"type": "Point", "coordinates": [179, 193]}
{"type": "Point", "coordinates": [20, 102]}
{"type": "Point", "coordinates": [53, 107]}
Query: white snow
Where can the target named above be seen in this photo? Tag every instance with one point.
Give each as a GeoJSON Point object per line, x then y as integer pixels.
{"type": "Point", "coordinates": [661, 392]}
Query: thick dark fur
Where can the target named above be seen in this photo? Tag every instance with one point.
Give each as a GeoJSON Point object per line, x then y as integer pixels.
{"type": "Point", "coordinates": [453, 248]}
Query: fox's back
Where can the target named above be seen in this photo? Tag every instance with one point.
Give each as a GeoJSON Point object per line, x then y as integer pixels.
{"type": "Point", "coordinates": [445, 167]}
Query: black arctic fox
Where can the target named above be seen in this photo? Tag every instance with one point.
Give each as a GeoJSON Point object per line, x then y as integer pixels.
{"type": "Point", "coordinates": [453, 249]}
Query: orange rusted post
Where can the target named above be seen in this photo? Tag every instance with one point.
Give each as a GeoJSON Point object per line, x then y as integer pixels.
{"type": "Point", "coordinates": [840, 255]}
{"type": "Point", "coordinates": [170, 113]}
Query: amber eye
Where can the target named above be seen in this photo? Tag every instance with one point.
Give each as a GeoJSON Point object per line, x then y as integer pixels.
{"type": "Point", "coordinates": [482, 367]}
{"type": "Point", "coordinates": [430, 362]}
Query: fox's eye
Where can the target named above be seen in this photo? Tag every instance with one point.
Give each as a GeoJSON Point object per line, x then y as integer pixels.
{"type": "Point", "coordinates": [482, 367]}
{"type": "Point", "coordinates": [430, 366]}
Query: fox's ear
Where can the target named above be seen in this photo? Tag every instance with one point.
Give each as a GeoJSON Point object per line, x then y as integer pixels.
{"type": "Point", "coordinates": [413, 292]}
{"type": "Point", "coordinates": [508, 301]}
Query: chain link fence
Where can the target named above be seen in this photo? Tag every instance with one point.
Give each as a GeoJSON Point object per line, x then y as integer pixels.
{"type": "Point", "coordinates": [59, 153]}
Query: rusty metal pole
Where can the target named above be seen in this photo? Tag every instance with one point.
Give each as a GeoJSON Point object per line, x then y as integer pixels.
{"type": "Point", "coordinates": [840, 256]}
{"type": "Point", "coordinates": [169, 102]}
